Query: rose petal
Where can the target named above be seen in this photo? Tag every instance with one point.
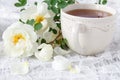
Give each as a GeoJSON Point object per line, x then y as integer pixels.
{"type": "Point", "coordinates": [46, 52]}
{"type": "Point", "coordinates": [49, 36]}
{"type": "Point", "coordinates": [44, 27]}
{"type": "Point", "coordinates": [74, 69]}
{"type": "Point", "coordinates": [52, 24]}
{"type": "Point", "coordinates": [28, 13]}
{"type": "Point", "coordinates": [20, 68]}
{"type": "Point", "coordinates": [42, 8]}
{"type": "Point", "coordinates": [61, 63]}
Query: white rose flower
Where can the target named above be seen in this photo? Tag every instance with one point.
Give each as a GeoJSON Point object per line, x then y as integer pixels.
{"type": "Point", "coordinates": [49, 35]}
{"type": "Point", "coordinates": [19, 40]}
{"type": "Point", "coordinates": [61, 63]}
{"type": "Point", "coordinates": [45, 53]}
{"type": "Point", "coordinates": [52, 24]}
{"type": "Point", "coordinates": [39, 13]}
{"type": "Point", "coordinates": [20, 68]}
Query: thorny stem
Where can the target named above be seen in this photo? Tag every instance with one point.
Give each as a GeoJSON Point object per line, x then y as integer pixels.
{"type": "Point", "coordinates": [57, 37]}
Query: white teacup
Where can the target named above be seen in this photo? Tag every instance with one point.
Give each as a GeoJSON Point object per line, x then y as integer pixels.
{"type": "Point", "coordinates": [88, 36]}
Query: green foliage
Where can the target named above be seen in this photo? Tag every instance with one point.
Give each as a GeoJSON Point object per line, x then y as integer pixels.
{"type": "Point", "coordinates": [43, 41]}
{"type": "Point", "coordinates": [21, 3]}
{"type": "Point", "coordinates": [22, 9]}
{"type": "Point", "coordinates": [62, 4]}
{"type": "Point", "coordinates": [56, 5]}
{"type": "Point", "coordinates": [39, 49]}
{"type": "Point", "coordinates": [64, 44]}
{"type": "Point", "coordinates": [102, 2]}
{"type": "Point", "coordinates": [55, 9]}
{"type": "Point", "coordinates": [59, 25]}
{"type": "Point", "coordinates": [30, 22]}
{"type": "Point", "coordinates": [36, 3]}
{"type": "Point", "coordinates": [57, 17]}
{"type": "Point", "coordinates": [53, 30]}
{"type": "Point", "coordinates": [71, 1]}
{"type": "Point", "coordinates": [37, 26]}
{"type": "Point", "coordinates": [21, 21]}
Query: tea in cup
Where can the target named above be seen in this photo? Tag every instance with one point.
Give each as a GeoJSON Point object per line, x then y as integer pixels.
{"type": "Point", "coordinates": [89, 28]}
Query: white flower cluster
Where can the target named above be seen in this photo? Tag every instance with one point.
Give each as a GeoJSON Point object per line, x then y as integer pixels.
{"type": "Point", "coordinates": [41, 14]}
{"type": "Point", "coordinates": [20, 40]}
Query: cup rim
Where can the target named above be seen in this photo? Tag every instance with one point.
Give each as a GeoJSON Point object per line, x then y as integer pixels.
{"type": "Point", "coordinates": [113, 15]}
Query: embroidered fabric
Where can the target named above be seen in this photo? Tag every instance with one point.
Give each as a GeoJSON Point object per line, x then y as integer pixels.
{"type": "Point", "coordinates": [104, 66]}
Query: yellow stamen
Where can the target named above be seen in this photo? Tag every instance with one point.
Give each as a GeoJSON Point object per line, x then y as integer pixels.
{"type": "Point", "coordinates": [71, 69]}
{"type": "Point", "coordinates": [39, 19]}
{"type": "Point", "coordinates": [17, 37]}
{"type": "Point", "coordinates": [26, 63]}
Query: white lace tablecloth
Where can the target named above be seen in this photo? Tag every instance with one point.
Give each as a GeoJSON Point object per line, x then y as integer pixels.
{"type": "Point", "coordinates": [104, 66]}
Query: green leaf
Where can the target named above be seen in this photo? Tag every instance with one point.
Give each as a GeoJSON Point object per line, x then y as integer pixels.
{"type": "Point", "coordinates": [37, 26]}
{"type": "Point", "coordinates": [64, 44]}
{"type": "Point", "coordinates": [22, 9]}
{"type": "Point", "coordinates": [54, 31]}
{"type": "Point", "coordinates": [65, 41]}
{"type": "Point", "coordinates": [50, 29]}
{"type": "Point", "coordinates": [43, 41]}
{"type": "Point", "coordinates": [99, 2]}
{"type": "Point", "coordinates": [21, 3]}
{"type": "Point", "coordinates": [46, 1]}
{"type": "Point", "coordinates": [21, 21]}
{"type": "Point", "coordinates": [17, 4]}
{"type": "Point", "coordinates": [39, 49]}
{"type": "Point", "coordinates": [71, 1]}
{"type": "Point", "coordinates": [30, 22]}
{"type": "Point", "coordinates": [62, 4]}
{"type": "Point", "coordinates": [49, 7]}
{"type": "Point", "coordinates": [53, 2]}
{"type": "Point", "coordinates": [104, 2]}
{"type": "Point", "coordinates": [57, 41]}
{"type": "Point", "coordinates": [37, 40]}
{"type": "Point", "coordinates": [59, 25]}
{"type": "Point", "coordinates": [65, 47]}
{"type": "Point", "coordinates": [55, 10]}
{"type": "Point", "coordinates": [56, 17]}
{"type": "Point", "coordinates": [36, 3]}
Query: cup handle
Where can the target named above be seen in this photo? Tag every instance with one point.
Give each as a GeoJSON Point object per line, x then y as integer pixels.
{"type": "Point", "coordinates": [79, 29]}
